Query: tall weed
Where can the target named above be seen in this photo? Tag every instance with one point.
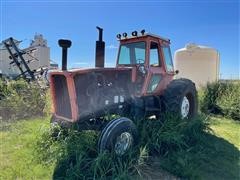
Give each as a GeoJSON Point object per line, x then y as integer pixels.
{"type": "Point", "coordinates": [221, 98]}
{"type": "Point", "coordinates": [20, 100]}
{"type": "Point", "coordinates": [171, 134]}
{"type": "Point", "coordinates": [76, 157]}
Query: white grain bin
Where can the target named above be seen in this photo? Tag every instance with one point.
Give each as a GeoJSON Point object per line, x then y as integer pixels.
{"type": "Point", "coordinates": [198, 63]}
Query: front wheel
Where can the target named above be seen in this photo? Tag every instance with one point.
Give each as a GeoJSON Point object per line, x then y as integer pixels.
{"type": "Point", "coordinates": [118, 136]}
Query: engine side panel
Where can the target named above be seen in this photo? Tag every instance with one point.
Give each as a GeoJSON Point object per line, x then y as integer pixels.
{"type": "Point", "coordinates": [100, 93]}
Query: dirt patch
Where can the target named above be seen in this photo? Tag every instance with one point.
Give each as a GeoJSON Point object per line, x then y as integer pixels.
{"type": "Point", "coordinates": [152, 170]}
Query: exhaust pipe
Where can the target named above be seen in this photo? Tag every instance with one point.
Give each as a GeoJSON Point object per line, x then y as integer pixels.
{"type": "Point", "coordinates": [64, 44]}
{"type": "Point", "coordinates": [100, 49]}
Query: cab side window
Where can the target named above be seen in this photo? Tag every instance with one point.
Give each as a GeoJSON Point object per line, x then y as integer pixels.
{"type": "Point", "coordinates": [168, 58]}
{"type": "Point", "coordinates": [154, 55]}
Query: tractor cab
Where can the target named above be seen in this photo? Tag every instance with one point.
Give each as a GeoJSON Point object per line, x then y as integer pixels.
{"type": "Point", "coordinates": [150, 58]}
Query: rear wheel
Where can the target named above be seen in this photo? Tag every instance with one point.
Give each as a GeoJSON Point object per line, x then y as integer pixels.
{"type": "Point", "coordinates": [180, 98]}
{"type": "Point", "coordinates": [118, 136]}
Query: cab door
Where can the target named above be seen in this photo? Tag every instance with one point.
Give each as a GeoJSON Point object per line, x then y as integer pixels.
{"type": "Point", "coordinates": [160, 68]}
{"type": "Point", "coordinates": [155, 70]}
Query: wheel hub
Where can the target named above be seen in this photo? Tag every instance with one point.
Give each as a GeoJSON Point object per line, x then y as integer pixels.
{"type": "Point", "coordinates": [185, 107]}
{"type": "Point", "coordinates": [123, 143]}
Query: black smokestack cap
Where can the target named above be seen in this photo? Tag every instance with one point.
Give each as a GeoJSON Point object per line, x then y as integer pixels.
{"type": "Point", "coordinates": [100, 49]}
{"type": "Point", "coordinates": [64, 44]}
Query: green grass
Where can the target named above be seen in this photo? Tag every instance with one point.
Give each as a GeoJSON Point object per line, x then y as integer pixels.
{"type": "Point", "coordinates": [212, 156]}
{"type": "Point", "coordinates": [17, 151]}
{"type": "Point", "coordinates": [227, 129]}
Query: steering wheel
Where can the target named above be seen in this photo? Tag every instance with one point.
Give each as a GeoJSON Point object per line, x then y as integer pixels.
{"type": "Point", "coordinates": [140, 61]}
{"type": "Point", "coordinates": [141, 67]}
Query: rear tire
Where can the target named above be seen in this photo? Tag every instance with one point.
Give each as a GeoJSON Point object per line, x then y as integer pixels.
{"type": "Point", "coordinates": [118, 136]}
{"type": "Point", "coordinates": [180, 98]}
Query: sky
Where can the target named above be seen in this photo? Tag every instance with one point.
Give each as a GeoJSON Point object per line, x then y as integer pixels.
{"type": "Point", "coordinates": [210, 23]}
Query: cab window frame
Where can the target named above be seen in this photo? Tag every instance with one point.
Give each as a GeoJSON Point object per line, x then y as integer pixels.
{"type": "Point", "coordinates": [165, 61]}
{"type": "Point", "coordinates": [119, 52]}
{"type": "Point", "coordinates": [159, 54]}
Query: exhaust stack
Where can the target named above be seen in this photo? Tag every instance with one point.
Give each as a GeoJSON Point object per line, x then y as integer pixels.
{"type": "Point", "coordinates": [64, 44]}
{"type": "Point", "coordinates": [100, 49]}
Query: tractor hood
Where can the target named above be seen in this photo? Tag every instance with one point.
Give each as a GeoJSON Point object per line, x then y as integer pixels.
{"type": "Point", "coordinates": [77, 93]}
{"type": "Point", "coordinates": [73, 72]}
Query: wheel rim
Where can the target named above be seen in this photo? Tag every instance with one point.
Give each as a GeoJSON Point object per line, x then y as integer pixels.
{"type": "Point", "coordinates": [185, 107]}
{"type": "Point", "coordinates": [123, 143]}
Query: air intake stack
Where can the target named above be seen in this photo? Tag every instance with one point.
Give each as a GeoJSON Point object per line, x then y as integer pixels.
{"type": "Point", "coordinates": [64, 44]}
{"type": "Point", "coordinates": [100, 49]}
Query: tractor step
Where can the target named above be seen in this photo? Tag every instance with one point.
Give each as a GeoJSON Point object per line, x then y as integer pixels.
{"type": "Point", "coordinates": [152, 109]}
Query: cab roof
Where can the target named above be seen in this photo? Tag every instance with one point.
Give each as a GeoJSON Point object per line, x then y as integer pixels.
{"type": "Point", "coordinates": [146, 35]}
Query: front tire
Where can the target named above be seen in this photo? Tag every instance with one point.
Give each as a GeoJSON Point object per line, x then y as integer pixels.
{"type": "Point", "coordinates": [180, 98]}
{"type": "Point", "coordinates": [118, 136]}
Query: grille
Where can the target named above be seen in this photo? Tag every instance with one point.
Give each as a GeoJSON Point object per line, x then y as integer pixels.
{"type": "Point", "coordinates": [63, 107]}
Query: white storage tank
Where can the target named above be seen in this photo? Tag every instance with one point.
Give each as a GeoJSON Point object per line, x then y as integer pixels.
{"type": "Point", "coordinates": [198, 63]}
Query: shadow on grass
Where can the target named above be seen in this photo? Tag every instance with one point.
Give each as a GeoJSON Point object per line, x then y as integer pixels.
{"type": "Point", "coordinates": [63, 167]}
{"type": "Point", "coordinates": [211, 158]}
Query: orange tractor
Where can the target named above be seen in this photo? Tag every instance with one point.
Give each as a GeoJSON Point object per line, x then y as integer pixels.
{"type": "Point", "coordinates": [140, 86]}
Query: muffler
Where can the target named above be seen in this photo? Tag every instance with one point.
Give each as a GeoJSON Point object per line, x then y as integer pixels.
{"type": "Point", "coordinates": [100, 49]}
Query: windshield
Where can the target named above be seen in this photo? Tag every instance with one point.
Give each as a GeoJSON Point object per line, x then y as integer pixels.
{"type": "Point", "coordinates": [132, 53]}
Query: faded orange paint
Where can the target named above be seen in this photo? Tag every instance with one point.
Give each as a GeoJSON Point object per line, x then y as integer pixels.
{"type": "Point", "coordinates": [161, 70]}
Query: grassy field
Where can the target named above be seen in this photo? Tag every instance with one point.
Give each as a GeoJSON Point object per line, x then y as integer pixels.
{"type": "Point", "coordinates": [219, 159]}
{"type": "Point", "coordinates": [215, 156]}
{"type": "Point", "coordinates": [17, 151]}
{"type": "Point", "coordinates": [227, 129]}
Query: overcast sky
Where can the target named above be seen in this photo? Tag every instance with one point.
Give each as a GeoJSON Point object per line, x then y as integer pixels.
{"type": "Point", "coordinates": [214, 24]}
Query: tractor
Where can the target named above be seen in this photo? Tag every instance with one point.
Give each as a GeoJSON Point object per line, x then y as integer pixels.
{"type": "Point", "coordinates": [142, 85]}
